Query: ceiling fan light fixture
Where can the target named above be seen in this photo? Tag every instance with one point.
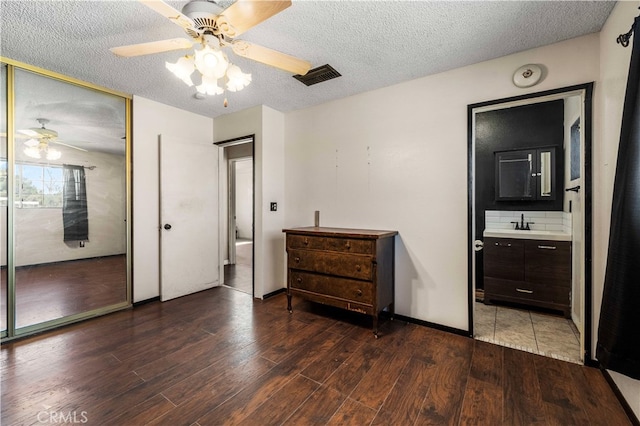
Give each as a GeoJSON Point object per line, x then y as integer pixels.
{"type": "Point", "coordinates": [209, 86]}
{"type": "Point", "coordinates": [53, 154]}
{"type": "Point", "coordinates": [32, 151]}
{"type": "Point", "coordinates": [236, 79]}
{"type": "Point", "coordinates": [183, 68]}
{"type": "Point", "coordinates": [211, 62]}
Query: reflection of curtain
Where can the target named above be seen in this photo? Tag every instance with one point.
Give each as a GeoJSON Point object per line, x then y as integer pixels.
{"type": "Point", "coordinates": [618, 346]}
{"type": "Point", "coordinates": [74, 205]}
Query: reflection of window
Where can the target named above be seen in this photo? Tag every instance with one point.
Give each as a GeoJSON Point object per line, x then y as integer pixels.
{"type": "Point", "coordinates": [3, 182]}
{"type": "Point", "coordinates": [38, 186]}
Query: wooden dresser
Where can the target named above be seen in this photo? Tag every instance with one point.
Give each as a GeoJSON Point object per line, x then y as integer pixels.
{"type": "Point", "coordinates": [351, 269]}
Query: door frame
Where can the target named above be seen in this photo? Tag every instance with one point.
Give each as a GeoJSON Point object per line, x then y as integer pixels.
{"type": "Point", "coordinates": [586, 90]}
{"type": "Point", "coordinates": [225, 192]}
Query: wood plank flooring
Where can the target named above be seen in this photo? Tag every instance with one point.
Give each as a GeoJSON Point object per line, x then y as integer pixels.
{"type": "Point", "coordinates": [55, 290]}
{"type": "Point", "coordinates": [219, 357]}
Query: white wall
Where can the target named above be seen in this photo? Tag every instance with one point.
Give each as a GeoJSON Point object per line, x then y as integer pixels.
{"type": "Point", "coordinates": [151, 119]}
{"type": "Point", "coordinates": [243, 150]}
{"type": "Point", "coordinates": [614, 69]}
{"type": "Point", "coordinates": [268, 127]}
{"type": "Point", "coordinates": [396, 158]}
{"type": "Point", "coordinates": [244, 198]}
{"type": "Point", "coordinates": [39, 233]}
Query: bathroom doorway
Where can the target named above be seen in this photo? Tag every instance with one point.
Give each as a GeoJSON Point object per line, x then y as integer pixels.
{"type": "Point", "coordinates": [508, 304]}
{"type": "Point", "coordinates": [238, 200]}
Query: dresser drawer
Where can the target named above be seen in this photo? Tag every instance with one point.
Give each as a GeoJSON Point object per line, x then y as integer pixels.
{"type": "Point", "coordinates": [496, 288]}
{"type": "Point", "coordinates": [344, 245]}
{"type": "Point", "coordinates": [331, 263]}
{"type": "Point", "coordinates": [343, 288]}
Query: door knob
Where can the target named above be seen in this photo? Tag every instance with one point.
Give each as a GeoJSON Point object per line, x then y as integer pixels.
{"type": "Point", "coordinates": [478, 245]}
{"type": "Point", "coordinates": [167, 226]}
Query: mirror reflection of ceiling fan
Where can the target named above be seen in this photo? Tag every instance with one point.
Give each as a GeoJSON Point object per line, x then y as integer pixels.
{"type": "Point", "coordinates": [39, 139]}
{"type": "Point", "coordinates": [216, 28]}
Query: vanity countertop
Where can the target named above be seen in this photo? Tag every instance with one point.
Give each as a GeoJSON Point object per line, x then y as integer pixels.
{"type": "Point", "coordinates": [528, 235]}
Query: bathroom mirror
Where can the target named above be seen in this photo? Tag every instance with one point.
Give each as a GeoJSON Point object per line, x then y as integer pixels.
{"type": "Point", "coordinates": [525, 174]}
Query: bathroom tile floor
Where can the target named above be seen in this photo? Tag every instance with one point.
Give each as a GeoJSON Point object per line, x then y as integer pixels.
{"type": "Point", "coordinates": [530, 331]}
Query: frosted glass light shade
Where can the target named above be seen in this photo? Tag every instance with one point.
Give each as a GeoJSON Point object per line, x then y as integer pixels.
{"type": "Point", "coordinates": [183, 68]}
{"type": "Point", "coordinates": [209, 86]}
{"type": "Point", "coordinates": [211, 62]}
{"type": "Point", "coordinates": [53, 154]}
{"type": "Point", "coordinates": [236, 79]}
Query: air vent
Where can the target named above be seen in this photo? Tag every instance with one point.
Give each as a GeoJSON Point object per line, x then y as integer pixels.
{"type": "Point", "coordinates": [318, 75]}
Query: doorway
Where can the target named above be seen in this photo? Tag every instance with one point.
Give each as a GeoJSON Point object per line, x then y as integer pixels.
{"type": "Point", "coordinates": [237, 170]}
{"type": "Point", "coordinates": [510, 303]}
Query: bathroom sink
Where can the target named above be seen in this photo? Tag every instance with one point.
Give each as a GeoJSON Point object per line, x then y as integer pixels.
{"type": "Point", "coordinates": [529, 235]}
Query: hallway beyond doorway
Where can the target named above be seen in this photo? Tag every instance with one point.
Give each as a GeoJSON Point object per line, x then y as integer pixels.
{"type": "Point", "coordinates": [239, 275]}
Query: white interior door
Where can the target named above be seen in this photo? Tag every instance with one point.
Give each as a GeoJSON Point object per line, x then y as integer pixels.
{"type": "Point", "coordinates": [189, 260]}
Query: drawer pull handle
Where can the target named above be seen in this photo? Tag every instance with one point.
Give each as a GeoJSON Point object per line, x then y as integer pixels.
{"type": "Point", "coordinates": [503, 245]}
{"type": "Point", "coordinates": [299, 280]}
{"type": "Point", "coordinates": [359, 292]}
{"type": "Point", "coordinates": [358, 267]}
{"type": "Point", "coordinates": [306, 241]}
{"type": "Point", "coordinates": [522, 290]}
{"type": "Point", "coordinates": [547, 247]}
{"type": "Point", "coordinates": [297, 259]}
{"type": "Point", "coordinates": [348, 245]}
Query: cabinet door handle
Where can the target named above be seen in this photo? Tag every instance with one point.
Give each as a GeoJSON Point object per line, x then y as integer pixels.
{"type": "Point", "coordinates": [547, 247]}
{"type": "Point", "coordinates": [522, 290]}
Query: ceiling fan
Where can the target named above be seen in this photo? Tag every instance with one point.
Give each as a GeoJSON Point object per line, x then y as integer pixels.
{"type": "Point", "coordinates": [39, 139]}
{"type": "Point", "coordinates": [215, 28]}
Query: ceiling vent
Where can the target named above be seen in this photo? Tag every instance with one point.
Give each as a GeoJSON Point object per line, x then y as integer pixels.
{"type": "Point", "coordinates": [318, 75]}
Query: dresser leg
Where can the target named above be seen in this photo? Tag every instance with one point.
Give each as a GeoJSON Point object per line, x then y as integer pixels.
{"type": "Point", "coordinates": [289, 303]}
{"type": "Point", "coordinates": [392, 310]}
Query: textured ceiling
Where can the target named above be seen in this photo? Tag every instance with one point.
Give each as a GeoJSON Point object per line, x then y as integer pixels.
{"type": "Point", "coordinates": [372, 44]}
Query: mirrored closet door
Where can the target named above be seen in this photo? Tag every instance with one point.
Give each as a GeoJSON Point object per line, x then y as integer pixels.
{"type": "Point", "coordinates": [67, 201]}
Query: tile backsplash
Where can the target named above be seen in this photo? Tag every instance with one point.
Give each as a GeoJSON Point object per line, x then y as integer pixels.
{"type": "Point", "coordinates": [542, 221]}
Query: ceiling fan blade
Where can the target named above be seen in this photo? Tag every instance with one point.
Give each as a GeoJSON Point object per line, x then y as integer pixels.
{"type": "Point", "coordinates": [270, 57]}
{"type": "Point", "coordinates": [17, 136]}
{"type": "Point", "coordinates": [152, 47]}
{"type": "Point", "coordinates": [245, 14]}
{"type": "Point", "coordinates": [169, 12]}
{"type": "Point", "coordinates": [69, 146]}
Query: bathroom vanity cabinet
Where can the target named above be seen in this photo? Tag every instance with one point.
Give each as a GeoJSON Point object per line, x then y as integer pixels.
{"type": "Point", "coordinates": [348, 268]}
{"type": "Point", "coordinates": [529, 272]}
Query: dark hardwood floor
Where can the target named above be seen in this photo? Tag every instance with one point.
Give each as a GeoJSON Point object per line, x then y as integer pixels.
{"type": "Point", "coordinates": [54, 290]}
{"type": "Point", "coordinates": [221, 357]}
